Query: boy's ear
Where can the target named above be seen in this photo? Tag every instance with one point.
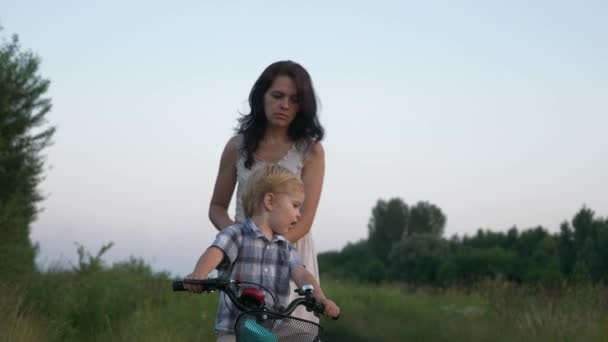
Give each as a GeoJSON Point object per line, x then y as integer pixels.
{"type": "Point", "coordinates": [268, 201]}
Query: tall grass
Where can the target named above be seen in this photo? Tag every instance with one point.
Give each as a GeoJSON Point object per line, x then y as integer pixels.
{"type": "Point", "coordinates": [493, 311]}
{"type": "Point", "coordinates": [125, 303]}
{"type": "Point", "coordinates": [18, 322]}
{"type": "Point", "coordinates": [398, 313]}
{"type": "Point", "coordinates": [563, 312]}
{"type": "Point", "coordinates": [129, 302]}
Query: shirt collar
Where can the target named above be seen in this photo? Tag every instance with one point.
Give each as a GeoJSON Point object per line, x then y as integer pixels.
{"type": "Point", "coordinates": [258, 233]}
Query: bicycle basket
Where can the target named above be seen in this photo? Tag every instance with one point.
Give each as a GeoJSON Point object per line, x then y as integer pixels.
{"type": "Point", "coordinates": [262, 326]}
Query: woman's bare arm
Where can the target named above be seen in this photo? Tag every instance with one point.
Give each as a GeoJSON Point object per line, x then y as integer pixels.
{"type": "Point", "coordinates": [224, 187]}
{"type": "Point", "coordinates": [312, 176]}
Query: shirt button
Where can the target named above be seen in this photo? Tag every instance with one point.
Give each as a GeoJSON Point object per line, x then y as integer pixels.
{"type": "Point", "coordinates": [265, 269]}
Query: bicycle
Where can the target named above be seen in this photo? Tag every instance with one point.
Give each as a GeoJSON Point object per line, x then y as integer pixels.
{"type": "Point", "coordinates": [258, 322]}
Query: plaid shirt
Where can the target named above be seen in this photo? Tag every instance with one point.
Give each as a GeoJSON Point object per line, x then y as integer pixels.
{"type": "Point", "coordinates": [249, 256]}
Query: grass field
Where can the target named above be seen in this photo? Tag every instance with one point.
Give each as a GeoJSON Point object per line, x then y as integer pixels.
{"type": "Point", "coordinates": [130, 303]}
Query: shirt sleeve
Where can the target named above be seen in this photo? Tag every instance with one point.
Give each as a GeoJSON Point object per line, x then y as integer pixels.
{"type": "Point", "coordinates": [294, 259]}
{"type": "Point", "coordinates": [228, 240]}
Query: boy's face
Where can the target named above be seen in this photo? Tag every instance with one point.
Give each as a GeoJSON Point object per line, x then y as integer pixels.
{"type": "Point", "coordinates": [285, 211]}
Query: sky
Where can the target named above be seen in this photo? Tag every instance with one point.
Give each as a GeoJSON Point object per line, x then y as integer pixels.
{"type": "Point", "coordinates": [495, 111]}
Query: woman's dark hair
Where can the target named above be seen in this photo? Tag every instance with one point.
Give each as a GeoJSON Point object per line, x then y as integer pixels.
{"type": "Point", "coordinates": [304, 129]}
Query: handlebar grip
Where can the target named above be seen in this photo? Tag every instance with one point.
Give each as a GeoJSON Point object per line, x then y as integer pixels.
{"type": "Point", "coordinates": [206, 284]}
{"type": "Point", "coordinates": [178, 285]}
{"type": "Point", "coordinates": [319, 308]}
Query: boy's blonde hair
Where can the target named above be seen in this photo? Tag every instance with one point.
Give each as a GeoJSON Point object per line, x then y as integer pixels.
{"type": "Point", "coordinates": [268, 179]}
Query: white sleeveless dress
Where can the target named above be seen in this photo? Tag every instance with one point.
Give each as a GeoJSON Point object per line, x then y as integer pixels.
{"type": "Point", "coordinates": [294, 161]}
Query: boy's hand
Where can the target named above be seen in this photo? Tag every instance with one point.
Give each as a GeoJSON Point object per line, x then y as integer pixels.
{"type": "Point", "coordinates": [195, 288]}
{"type": "Point", "coordinates": [205, 264]}
{"type": "Point", "coordinates": [331, 309]}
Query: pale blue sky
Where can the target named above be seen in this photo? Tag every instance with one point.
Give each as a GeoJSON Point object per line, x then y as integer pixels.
{"type": "Point", "coordinates": [497, 112]}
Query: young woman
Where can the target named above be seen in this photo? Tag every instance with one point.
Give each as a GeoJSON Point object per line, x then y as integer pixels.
{"type": "Point", "coordinates": [282, 128]}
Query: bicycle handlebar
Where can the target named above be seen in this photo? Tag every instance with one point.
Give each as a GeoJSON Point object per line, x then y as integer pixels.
{"type": "Point", "coordinates": [228, 287]}
{"type": "Point", "coordinates": [207, 284]}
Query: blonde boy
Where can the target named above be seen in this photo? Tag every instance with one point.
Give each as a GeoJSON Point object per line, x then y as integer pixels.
{"type": "Point", "coordinates": [256, 249]}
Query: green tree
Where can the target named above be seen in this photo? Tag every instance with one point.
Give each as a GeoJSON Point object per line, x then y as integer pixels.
{"type": "Point", "coordinates": [529, 240]}
{"type": "Point", "coordinates": [24, 133]}
{"type": "Point", "coordinates": [581, 273]}
{"type": "Point", "coordinates": [543, 266]}
{"type": "Point", "coordinates": [583, 227]}
{"type": "Point", "coordinates": [386, 226]}
{"type": "Point", "coordinates": [566, 250]}
{"type": "Point", "coordinates": [355, 261]}
{"type": "Point", "coordinates": [488, 239]}
{"type": "Point", "coordinates": [591, 242]}
{"type": "Point", "coordinates": [426, 218]}
{"type": "Point", "coordinates": [601, 255]}
{"type": "Point", "coordinates": [417, 258]}
{"type": "Point", "coordinates": [470, 264]}
{"type": "Point", "coordinates": [594, 253]}
{"type": "Point", "coordinates": [511, 240]}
